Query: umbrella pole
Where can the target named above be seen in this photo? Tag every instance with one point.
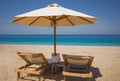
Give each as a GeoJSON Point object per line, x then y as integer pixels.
{"type": "Point", "coordinates": [54, 37]}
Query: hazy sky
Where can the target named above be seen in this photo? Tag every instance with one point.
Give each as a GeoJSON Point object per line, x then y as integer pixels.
{"type": "Point", "coordinates": [107, 12]}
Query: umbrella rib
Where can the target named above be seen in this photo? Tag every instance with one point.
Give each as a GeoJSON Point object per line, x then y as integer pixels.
{"type": "Point", "coordinates": [46, 18]}
{"type": "Point", "coordinates": [85, 19]}
{"type": "Point", "coordinates": [34, 21]}
{"type": "Point", "coordinates": [19, 19]}
{"type": "Point", "coordinates": [51, 23]}
{"type": "Point", "coordinates": [62, 17]}
{"type": "Point", "coordinates": [49, 18]}
{"type": "Point", "coordinates": [69, 20]}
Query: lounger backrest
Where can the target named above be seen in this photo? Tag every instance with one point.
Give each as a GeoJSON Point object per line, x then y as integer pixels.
{"type": "Point", "coordinates": [34, 58]}
{"type": "Point", "coordinates": [77, 60]}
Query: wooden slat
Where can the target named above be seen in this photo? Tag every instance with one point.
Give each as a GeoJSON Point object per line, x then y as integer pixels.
{"type": "Point", "coordinates": [26, 80]}
{"type": "Point", "coordinates": [77, 74]}
{"type": "Point", "coordinates": [24, 66]}
{"type": "Point", "coordinates": [30, 72]}
{"type": "Point", "coordinates": [23, 56]}
{"type": "Point", "coordinates": [77, 70]}
{"type": "Point", "coordinates": [35, 71]}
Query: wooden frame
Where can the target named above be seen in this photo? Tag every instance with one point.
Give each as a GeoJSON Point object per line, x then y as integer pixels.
{"type": "Point", "coordinates": [85, 73]}
{"type": "Point", "coordinates": [27, 69]}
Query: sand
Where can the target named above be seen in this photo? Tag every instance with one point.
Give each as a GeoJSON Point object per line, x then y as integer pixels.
{"type": "Point", "coordinates": [106, 64]}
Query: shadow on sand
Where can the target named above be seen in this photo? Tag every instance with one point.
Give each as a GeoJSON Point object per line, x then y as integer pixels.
{"type": "Point", "coordinates": [96, 73]}
{"type": "Point", "coordinates": [58, 76]}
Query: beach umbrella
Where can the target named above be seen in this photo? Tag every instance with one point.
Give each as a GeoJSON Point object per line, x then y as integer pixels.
{"type": "Point", "coordinates": [53, 15]}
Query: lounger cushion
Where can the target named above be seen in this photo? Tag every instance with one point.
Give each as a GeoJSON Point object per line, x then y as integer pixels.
{"type": "Point", "coordinates": [37, 60]}
{"type": "Point", "coordinates": [77, 62]}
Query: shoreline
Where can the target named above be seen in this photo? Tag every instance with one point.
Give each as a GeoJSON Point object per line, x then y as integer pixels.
{"type": "Point", "coordinates": [65, 45]}
{"type": "Point", "coordinates": [106, 59]}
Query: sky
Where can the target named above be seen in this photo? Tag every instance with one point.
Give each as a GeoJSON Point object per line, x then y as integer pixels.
{"type": "Point", "coordinates": [107, 12]}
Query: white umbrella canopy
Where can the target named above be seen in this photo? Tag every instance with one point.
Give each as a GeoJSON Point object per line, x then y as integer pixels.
{"type": "Point", "coordinates": [45, 17]}
{"type": "Point", "coordinates": [53, 15]}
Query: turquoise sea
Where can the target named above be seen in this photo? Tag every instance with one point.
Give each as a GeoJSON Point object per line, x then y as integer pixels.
{"type": "Point", "coordinates": [87, 40]}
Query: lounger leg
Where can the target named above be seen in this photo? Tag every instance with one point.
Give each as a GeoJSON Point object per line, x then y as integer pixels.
{"type": "Point", "coordinates": [18, 76]}
{"type": "Point", "coordinates": [39, 78]}
{"type": "Point", "coordinates": [64, 78]}
{"type": "Point", "coordinates": [89, 79]}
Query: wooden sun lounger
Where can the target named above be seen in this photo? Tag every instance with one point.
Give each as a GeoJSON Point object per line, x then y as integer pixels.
{"type": "Point", "coordinates": [77, 66]}
{"type": "Point", "coordinates": [36, 64]}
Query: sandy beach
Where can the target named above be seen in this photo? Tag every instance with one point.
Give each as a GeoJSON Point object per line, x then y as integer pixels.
{"type": "Point", "coordinates": [106, 64]}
